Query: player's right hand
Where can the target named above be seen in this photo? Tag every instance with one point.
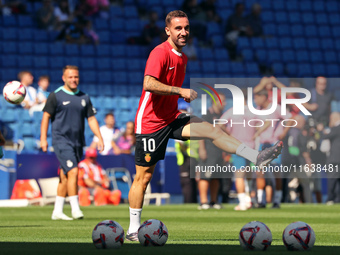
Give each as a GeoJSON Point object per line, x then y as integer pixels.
{"type": "Point", "coordinates": [189, 95]}
{"type": "Point", "coordinates": [44, 145]}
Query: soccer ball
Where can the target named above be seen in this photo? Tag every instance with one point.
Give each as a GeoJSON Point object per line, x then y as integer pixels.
{"type": "Point", "coordinates": [152, 233]}
{"type": "Point", "coordinates": [14, 92]}
{"type": "Point", "coordinates": [298, 236]}
{"type": "Point", "coordinates": [255, 235]}
{"type": "Point", "coordinates": [108, 234]}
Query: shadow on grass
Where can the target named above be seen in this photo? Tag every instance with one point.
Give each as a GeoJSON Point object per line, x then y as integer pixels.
{"type": "Point", "coordinates": [135, 248]}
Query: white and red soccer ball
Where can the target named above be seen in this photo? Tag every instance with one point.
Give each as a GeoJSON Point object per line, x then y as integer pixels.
{"type": "Point", "coordinates": [14, 92]}
{"type": "Point", "coordinates": [108, 234]}
{"type": "Point", "coordinates": [255, 235]}
{"type": "Point", "coordinates": [153, 233]}
{"type": "Point", "coordinates": [298, 236]}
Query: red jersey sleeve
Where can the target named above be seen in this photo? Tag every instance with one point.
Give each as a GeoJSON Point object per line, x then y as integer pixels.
{"type": "Point", "coordinates": [156, 63]}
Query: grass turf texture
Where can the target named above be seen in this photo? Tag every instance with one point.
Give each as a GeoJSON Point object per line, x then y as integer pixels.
{"type": "Point", "coordinates": [30, 230]}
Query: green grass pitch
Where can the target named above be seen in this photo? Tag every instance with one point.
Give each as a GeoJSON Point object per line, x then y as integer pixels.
{"type": "Point", "coordinates": [31, 231]}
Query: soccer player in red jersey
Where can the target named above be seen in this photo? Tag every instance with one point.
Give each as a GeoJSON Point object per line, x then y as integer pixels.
{"type": "Point", "coordinates": [158, 118]}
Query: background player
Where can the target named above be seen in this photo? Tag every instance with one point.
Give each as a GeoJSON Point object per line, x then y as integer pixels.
{"type": "Point", "coordinates": [67, 107]}
{"type": "Point", "coordinates": [158, 118]}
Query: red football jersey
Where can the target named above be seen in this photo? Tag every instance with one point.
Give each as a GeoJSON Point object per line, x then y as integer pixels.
{"type": "Point", "coordinates": [157, 111]}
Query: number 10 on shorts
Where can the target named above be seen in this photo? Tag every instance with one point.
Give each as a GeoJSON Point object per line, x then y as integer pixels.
{"type": "Point", "coordinates": [149, 144]}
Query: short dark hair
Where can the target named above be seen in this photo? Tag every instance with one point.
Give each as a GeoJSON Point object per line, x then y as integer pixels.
{"type": "Point", "coordinates": [109, 114]}
{"type": "Point", "coordinates": [22, 73]}
{"type": "Point", "coordinates": [70, 67]}
{"type": "Point", "coordinates": [174, 14]}
{"type": "Point", "coordinates": [42, 77]}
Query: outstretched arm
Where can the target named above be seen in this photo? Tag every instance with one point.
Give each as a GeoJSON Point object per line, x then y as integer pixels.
{"type": "Point", "coordinates": [151, 84]}
{"type": "Point", "coordinates": [94, 126]}
{"type": "Point", "coordinates": [43, 131]}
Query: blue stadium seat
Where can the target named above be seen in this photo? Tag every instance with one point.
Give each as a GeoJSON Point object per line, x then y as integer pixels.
{"type": "Point", "coordinates": [221, 54]}
{"type": "Point", "coordinates": [25, 21]}
{"type": "Point", "coordinates": [305, 6]}
{"type": "Point", "coordinates": [333, 70]}
{"type": "Point", "coordinates": [296, 30]}
{"type": "Point", "coordinates": [266, 5]}
{"type": "Point", "coordinates": [248, 55]}
{"type": "Point", "coordinates": [208, 67]}
{"type": "Point", "coordinates": [87, 63]}
{"type": "Point", "coordinates": [257, 43]}
{"type": "Point", "coordinates": [299, 43]}
{"type": "Point", "coordinates": [40, 49]}
{"type": "Point", "coordinates": [27, 130]}
{"type": "Point", "coordinates": [274, 56]}
{"type": "Point", "coordinates": [205, 54]}
{"type": "Point", "coordinates": [316, 57]}
{"type": "Point", "coordinates": [57, 49]}
{"type": "Point", "coordinates": [294, 17]}
{"type": "Point", "coordinates": [56, 62]}
{"type": "Point", "coordinates": [321, 19]}
{"type": "Point", "coordinates": [193, 67]}
{"type": "Point", "coordinates": [223, 67]}
{"type": "Point", "coordinates": [292, 6]}
{"type": "Point", "coordinates": [9, 34]}
{"type": "Point", "coordinates": [270, 29]}
{"type": "Point", "coordinates": [334, 19]}
{"type": "Point", "coordinates": [10, 115]}
{"type": "Point", "coordinates": [262, 56]}
{"type": "Point", "coordinates": [267, 16]}
{"type": "Point", "coordinates": [75, 61]}
{"type": "Point", "coordinates": [135, 91]}
{"type": "Point", "coordinates": [116, 11]}
{"type": "Point", "coordinates": [332, 6]}
{"type": "Point", "coordinates": [104, 36]}
{"type": "Point", "coordinates": [213, 28]}
{"type": "Point", "coordinates": [243, 42]}
{"type": "Point", "coordinates": [9, 21]}
{"type": "Point", "coordinates": [40, 35]}
{"type": "Point", "coordinates": [311, 31]}
{"type": "Point", "coordinates": [72, 49]}
{"type": "Point", "coordinates": [318, 69]}
{"type": "Point", "coordinates": [25, 48]}
{"type": "Point", "coordinates": [42, 71]}
{"type": "Point", "coordinates": [237, 68]}
{"type": "Point", "coordinates": [271, 43]}
{"type": "Point", "coordinates": [133, 51]}
{"type": "Point", "coordinates": [103, 50]}
{"type": "Point", "coordinates": [40, 62]}
{"type": "Point", "coordinates": [131, 12]}
{"type": "Point", "coordinates": [330, 57]}
{"type": "Point", "coordinates": [318, 6]}
{"type": "Point", "coordinates": [278, 69]}
{"type": "Point", "coordinates": [9, 60]}
{"type": "Point", "coordinates": [101, 24]}
{"type": "Point", "coordinates": [302, 56]}
{"type": "Point", "coordinates": [283, 30]}
{"type": "Point", "coordinates": [89, 77]}
{"type": "Point", "coordinates": [118, 51]}
{"type": "Point", "coordinates": [133, 25]}
{"type": "Point", "coordinates": [336, 32]}
{"type": "Point", "coordinates": [121, 90]}
{"type": "Point", "coordinates": [119, 64]}
{"type": "Point", "coordinates": [252, 69]}
{"type": "Point", "coordinates": [103, 63]}
{"type": "Point", "coordinates": [30, 144]}
{"type": "Point", "coordinates": [337, 44]}
{"type": "Point", "coordinates": [55, 76]}
{"type": "Point", "coordinates": [279, 5]}
{"type": "Point", "coordinates": [327, 44]}
{"type": "Point", "coordinates": [134, 65]}
{"type": "Point", "coordinates": [305, 70]}
{"type": "Point", "coordinates": [135, 78]}
{"type": "Point", "coordinates": [325, 32]}
{"type": "Point", "coordinates": [104, 77]}
{"type": "Point", "coordinates": [313, 44]}
{"type": "Point", "coordinates": [117, 24]}
{"type": "Point", "coordinates": [25, 34]}
{"type": "Point", "coordinates": [123, 103]}
{"type": "Point", "coordinates": [120, 78]}
{"type": "Point", "coordinates": [25, 61]}
{"type": "Point", "coordinates": [10, 48]}
{"type": "Point", "coordinates": [281, 16]}
{"type": "Point", "coordinates": [308, 18]}
{"type": "Point", "coordinates": [217, 41]}
{"type": "Point", "coordinates": [87, 50]}
{"type": "Point", "coordinates": [291, 69]}
{"type": "Point", "coordinates": [9, 74]}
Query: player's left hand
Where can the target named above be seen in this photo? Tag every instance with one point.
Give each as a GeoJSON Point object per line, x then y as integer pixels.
{"type": "Point", "coordinates": [191, 97]}
{"type": "Point", "coordinates": [100, 145]}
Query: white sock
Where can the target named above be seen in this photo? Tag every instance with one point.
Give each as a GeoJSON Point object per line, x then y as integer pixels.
{"type": "Point", "coordinates": [247, 152]}
{"type": "Point", "coordinates": [59, 204]}
{"type": "Point", "coordinates": [278, 196]}
{"type": "Point", "coordinates": [74, 203]}
{"type": "Point", "coordinates": [241, 198]}
{"type": "Point", "coordinates": [260, 195]}
{"type": "Point", "coordinates": [135, 215]}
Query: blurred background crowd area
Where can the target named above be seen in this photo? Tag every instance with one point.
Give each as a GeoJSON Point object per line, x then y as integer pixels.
{"type": "Point", "coordinates": [110, 42]}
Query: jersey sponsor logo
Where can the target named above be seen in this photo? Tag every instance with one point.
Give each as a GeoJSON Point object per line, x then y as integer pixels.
{"type": "Point", "coordinates": [147, 157]}
{"type": "Point", "coordinates": [83, 102]}
{"type": "Point", "coordinates": [66, 102]}
{"type": "Point", "coordinates": [170, 68]}
{"type": "Point", "coordinates": [69, 163]}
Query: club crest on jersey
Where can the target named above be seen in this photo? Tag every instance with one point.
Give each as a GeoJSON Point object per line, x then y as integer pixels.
{"type": "Point", "coordinates": [83, 102]}
{"type": "Point", "coordinates": [147, 157]}
{"type": "Point", "coordinates": [69, 163]}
